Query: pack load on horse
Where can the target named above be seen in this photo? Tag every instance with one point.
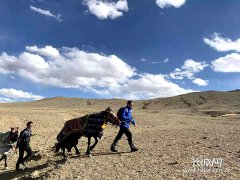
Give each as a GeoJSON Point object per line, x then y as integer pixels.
{"type": "Point", "coordinates": [8, 141]}
{"type": "Point", "coordinates": [72, 126]}
{"type": "Point", "coordinates": [90, 125]}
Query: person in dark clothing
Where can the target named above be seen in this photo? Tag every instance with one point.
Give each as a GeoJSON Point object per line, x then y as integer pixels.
{"type": "Point", "coordinates": [24, 145]}
{"type": "Point", "coordinates": [126, 119]}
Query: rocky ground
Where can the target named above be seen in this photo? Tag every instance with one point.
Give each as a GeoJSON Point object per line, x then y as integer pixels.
{"type": "Point", "coordinates": [168, 138]}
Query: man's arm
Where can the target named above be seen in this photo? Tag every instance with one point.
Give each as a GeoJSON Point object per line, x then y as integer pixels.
{"type": "Point", "coordinates": [128, 116]}
{"type": "Point", "coordinates": [20, 138]}
{"type": "Point", "coordinates": [133, 122]}
{"type": "Point", "coordinates": [131, 118]}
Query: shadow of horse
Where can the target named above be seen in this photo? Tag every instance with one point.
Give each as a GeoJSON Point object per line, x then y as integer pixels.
{"type": "Point", "coordinates": [98, 154]}
{"type": "Point", "coordinates": [26, 174]}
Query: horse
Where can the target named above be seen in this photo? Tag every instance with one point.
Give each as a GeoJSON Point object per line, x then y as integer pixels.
{"type": "Point", "coordinates": [8, 141]}
{"type": "Point", "coordinates": [91, 125]}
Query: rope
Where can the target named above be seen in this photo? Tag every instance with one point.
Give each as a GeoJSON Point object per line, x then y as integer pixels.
{"type": "Point", "coordinates": [104, 122]}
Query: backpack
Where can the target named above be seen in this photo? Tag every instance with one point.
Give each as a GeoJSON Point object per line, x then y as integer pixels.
{"type": "Point", "coordinates": [120, 112]}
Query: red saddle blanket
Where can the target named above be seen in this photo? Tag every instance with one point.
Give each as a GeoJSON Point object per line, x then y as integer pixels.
{"type": "Point", "coordinates": [72, 126]}
{"type": "Point", "coordinates": [88, 125]}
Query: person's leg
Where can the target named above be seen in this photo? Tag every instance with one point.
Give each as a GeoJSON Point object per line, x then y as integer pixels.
{"type": "Point", "coordinates": [118, 137]}
{"type": "Point", "coordinates": [20, 158]}
{"type": "Point", "coordinates": [128, 133]}
{"type": "Point", "coordinates": [29, 154]}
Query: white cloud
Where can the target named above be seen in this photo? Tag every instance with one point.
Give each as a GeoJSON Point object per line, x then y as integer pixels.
{"type": "Point", "coordinates": [168, 3]}
{"type": "Point", "coordinates": [5, 100]}
{"type": "Point", "coordinates": [106, 9]}
{"type": "Point", "coordinates": [166, 60]}
{"type": "Point", "coordinates": [228, 63]}
{"type": "Point", "coordinates": [200, 82]}
{"type": "Point", "coordinates": [13, 94]}
{"type": "Point", "coordinates": [189, 69]}
{"type": "Point", "coordinates": [46, 13]}
{"type": "Point", "coordinates": [156, 62]}
{"type": "Point", "coordinates": [35, 1]}
{"type": "Point", "coordinates": [223, 44]}
{"type": "Point", "coordinates": [46, 51]}
{"type": "Point", "coordinates": [73, 68]}
{"type": "Point", "coordinates": [147, 86]}
{"type": "Point", "coordinates": [106, 75]}
{"type": "Point", "coordinates": [12, 77]}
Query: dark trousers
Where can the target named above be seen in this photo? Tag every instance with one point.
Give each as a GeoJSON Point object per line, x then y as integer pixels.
{"type": "Point", "coordinates": [127, 132]}
{"type": "Point", "coordinates": [22, 159]}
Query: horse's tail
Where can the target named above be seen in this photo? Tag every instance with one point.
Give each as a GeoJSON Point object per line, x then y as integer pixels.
{"type": "Point", "coordinates": [59, 135]}
{"type": "Point", "coordinates": [57, 147]}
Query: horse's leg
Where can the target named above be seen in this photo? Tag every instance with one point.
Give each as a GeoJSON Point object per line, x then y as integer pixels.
{"type": "Point", "coordinates": [93, 146]}
{"type": "Point", "coordinates": [5, 159]}
{"type": "Point", "coordinates": [63, 152]}
{"type": "Point", "coordinates": [76, 149]}
{"type": "Point", "coordinates": [1, 158]}
{"type": "Point", "coordinates": [75, 146]}
{"type": "Point", "coordinates": [58, 146]}
{"type": "Point", "coordinates": [88, 148]}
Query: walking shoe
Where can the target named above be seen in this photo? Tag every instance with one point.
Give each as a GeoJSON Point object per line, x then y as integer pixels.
{"type": "Point", "coordinates": [134, 149]}
{"type": "Point", "coordinates": [113, 149]}
{"type": "Point", "coordinates": [23, 164]}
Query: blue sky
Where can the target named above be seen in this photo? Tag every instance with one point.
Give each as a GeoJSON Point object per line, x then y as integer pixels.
{"type": "Point", "coordinates": [117, 49]}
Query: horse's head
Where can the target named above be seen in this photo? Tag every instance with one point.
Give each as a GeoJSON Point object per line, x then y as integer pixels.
{"type": "Point", "coordinates": [111, 117]}
{"type": "Point", "coordinates": [13, 136]}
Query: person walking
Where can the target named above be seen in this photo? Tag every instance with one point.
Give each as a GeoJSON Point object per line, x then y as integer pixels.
{"type": "Point", "coordinates": [125, 116]}
{"type": "Point", "coordinates": [24, 145]}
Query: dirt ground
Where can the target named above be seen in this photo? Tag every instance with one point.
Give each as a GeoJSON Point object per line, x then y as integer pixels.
{"type": "Point", "coordinates": [169, 140]}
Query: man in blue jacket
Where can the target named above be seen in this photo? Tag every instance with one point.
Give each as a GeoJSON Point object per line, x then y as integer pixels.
{"type": "Point", "coordinates": [126, 119]}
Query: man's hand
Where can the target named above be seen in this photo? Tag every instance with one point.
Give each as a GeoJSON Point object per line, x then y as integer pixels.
{"type": "Point", "coordinates": [14, 148]}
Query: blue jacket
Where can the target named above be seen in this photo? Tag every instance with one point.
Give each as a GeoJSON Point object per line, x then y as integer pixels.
{"type": "Point", "coordinates": [126, 118]}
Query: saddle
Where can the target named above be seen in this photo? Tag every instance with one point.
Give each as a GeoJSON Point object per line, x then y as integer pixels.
{"type": "Point", "coordinates": [72, 126]}
{"type": "Point", "coordinates": [90, 125]}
